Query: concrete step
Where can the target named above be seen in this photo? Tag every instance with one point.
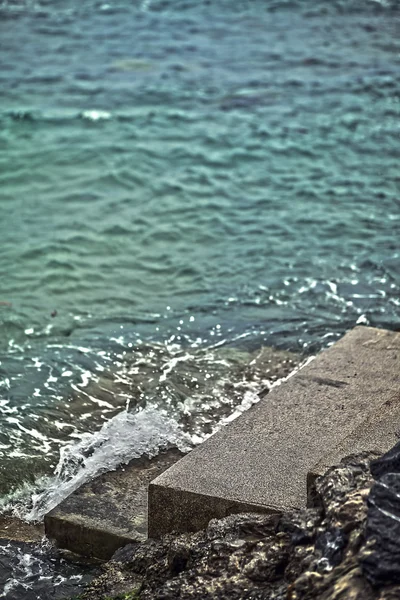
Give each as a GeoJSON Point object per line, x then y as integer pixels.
{"type": "Point", "coordinates": [378, 433]}
{"type": "Point", "coordinates": [261, 460]}
{"type": "Point", "coordinates": [108, 512]}
{"type": "Point", "coordinates": [12, 528]}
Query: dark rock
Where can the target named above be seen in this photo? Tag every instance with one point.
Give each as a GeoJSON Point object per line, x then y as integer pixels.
{"type": "Point", "coordinates": [301, 525]}
{"type": "Point", "coordinates": [345, 582]}
{"type": "Point", "coordinates": [178, 558]}
{"type": "Point", "coordinates": [249, 526]}
{"type": "Point", "coordinates": [381, 560]}
{"type": "Point", "coordinates": [337, 486]}
{"type": "Point", "coordinates": [388, 463]}
{"type": "Point", "coordinates": [331, 544]}
{"type": "Point", "coordinates": [325, 552]}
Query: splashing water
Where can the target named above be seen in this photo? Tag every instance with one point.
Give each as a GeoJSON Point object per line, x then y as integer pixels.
{"type": "Point", "coordinates": [32, 571]}
{"type": "Point", "coordinates": [125, 437]}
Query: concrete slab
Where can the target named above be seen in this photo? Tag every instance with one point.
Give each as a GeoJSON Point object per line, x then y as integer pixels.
{"type": "Point", "coordinates": [378, 433]}
{"type": "Point", "coordinates": [261, 460]}
{"type": "Point", "coordinates": [109, 511]}
{"type": "Point", "coordinates": [12, 528]}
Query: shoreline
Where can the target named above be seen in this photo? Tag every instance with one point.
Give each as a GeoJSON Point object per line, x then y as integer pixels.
{"type": "Point", "coordinates": [275, 363]}
{"type": "Point", "coordinates": [360, 410]}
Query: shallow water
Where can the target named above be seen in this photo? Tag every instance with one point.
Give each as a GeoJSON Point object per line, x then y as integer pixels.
{"type": "Point", "coordinates": [36, 571]}
{"type": "Point", "coordinates": [182, 183]}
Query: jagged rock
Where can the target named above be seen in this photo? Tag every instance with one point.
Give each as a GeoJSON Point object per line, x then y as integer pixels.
{"type": "Point", "coordinates": [343, 484]}
{"type": "Point", "coordinates": [316, 553]}
{"type": "Point", "coordinates": [301, 524]}
{"type": "Point", "coordinates": [381, 558]}
{"type": "Point", "coordinates": [388, 463]}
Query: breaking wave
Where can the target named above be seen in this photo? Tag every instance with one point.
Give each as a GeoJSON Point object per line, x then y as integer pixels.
{"type": "Point", "coordinates": [123, 438]}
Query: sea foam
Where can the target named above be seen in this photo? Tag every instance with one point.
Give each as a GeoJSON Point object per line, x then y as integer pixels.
{"type": "Point", "coordinates": [123, 438]}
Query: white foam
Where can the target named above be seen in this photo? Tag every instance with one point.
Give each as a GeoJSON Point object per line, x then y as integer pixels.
{"type": "Point", "coordinates": [122, 438]}
{"type": "Point", "coordinates": [96, 115]}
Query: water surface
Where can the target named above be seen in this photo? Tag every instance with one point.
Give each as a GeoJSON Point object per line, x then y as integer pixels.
{"type": "Point", "coordinates": [181, 184]}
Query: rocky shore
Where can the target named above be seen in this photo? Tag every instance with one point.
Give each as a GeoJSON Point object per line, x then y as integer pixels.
{"type": "Point", "coordinates": [346, 546]}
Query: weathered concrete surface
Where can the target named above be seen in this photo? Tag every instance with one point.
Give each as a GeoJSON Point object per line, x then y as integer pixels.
{"type": "Point", "coordinates": [378, 433]}
{"type": "Point", "coordinates": [262, 459]}
{"type": "Point", "coordinates": [109, 511]}
{"type": "Point", "coordinates": [12, 528]}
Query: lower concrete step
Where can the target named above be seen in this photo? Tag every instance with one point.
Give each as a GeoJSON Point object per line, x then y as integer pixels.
{"type": "Point", "coordinates": [12, 528]}
{"type": "Point", "coordinates": [261, 460]}
{"type": "Point", "coordinates": [108, 512]}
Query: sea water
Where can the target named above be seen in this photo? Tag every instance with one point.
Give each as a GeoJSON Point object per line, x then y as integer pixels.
{"type": "Point", "coordinates": [181, 184]}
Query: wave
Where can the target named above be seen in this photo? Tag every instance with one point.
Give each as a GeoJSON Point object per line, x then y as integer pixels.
{"type": "Point", "coordinates": [123, 438]}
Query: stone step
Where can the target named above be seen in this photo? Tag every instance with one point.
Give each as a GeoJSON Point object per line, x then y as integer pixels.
{"type": "Point", "coordinates": [261, 460]}
{"type": "Point", "coordinates": [378, 433]}
{"type": "Point", "coordinates": [108, 512]}
{"type": "Point", "coordinates": [12, 528]}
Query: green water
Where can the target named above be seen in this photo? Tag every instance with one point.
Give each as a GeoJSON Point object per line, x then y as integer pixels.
{"type": "Point", "coordinates": [186, 176]}
{"type": "Point", "coordinates": [181, 184]}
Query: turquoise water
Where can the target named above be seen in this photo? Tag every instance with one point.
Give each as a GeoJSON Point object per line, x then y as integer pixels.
{"type": "Point", "coordinates": [182, 183]}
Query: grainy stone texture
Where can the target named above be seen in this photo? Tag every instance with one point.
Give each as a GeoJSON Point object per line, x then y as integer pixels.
{"type": "Point", "coordinates": [261, 460]}
{"type": "Point", "coordinates": [378, 433]}
{"type": "Point", "coordinates": [109, 511]}
{"type": "Point", "coordinates": [12, 528]}
{"type": "Point", "coordinates": [313, 553]}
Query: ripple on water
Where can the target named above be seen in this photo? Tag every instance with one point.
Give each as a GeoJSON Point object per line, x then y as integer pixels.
{"type": "Point", "coordinates": [235, 165]}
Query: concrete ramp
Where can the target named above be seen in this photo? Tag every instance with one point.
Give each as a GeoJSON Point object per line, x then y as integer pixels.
{"type": "Point", "coordinates": [260, 461]}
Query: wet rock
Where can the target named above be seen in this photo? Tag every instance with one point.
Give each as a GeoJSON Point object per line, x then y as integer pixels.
{"type": "Point", "coordinates": [346, 582]}
{"type": "Point", "coordinates": [330, 544]}
{"type": "Point", "coordinates": [12, 528]}
{"type": "Point", "coordinates": [388, 463]}
{"type": "Point", "coordinates": [381, 560]}
{"type": "Point", "coordinates": [341, 485]}
{"type": "Point", "coordinates": [100, 516]}
{"type": "Point", "coordinates": [301, 525]}
{"type": "Point", "coordinates": [381, 556]}
{"type": "Point", "coordinates": [324, 552]}
{"type": "Point", "coordinates": [230, 558]}
{"type": "Point", "coordinates": [332, 570]}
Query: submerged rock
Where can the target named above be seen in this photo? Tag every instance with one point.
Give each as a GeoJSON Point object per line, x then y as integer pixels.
{"type": "Point", "coordinates": [32, 570]}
